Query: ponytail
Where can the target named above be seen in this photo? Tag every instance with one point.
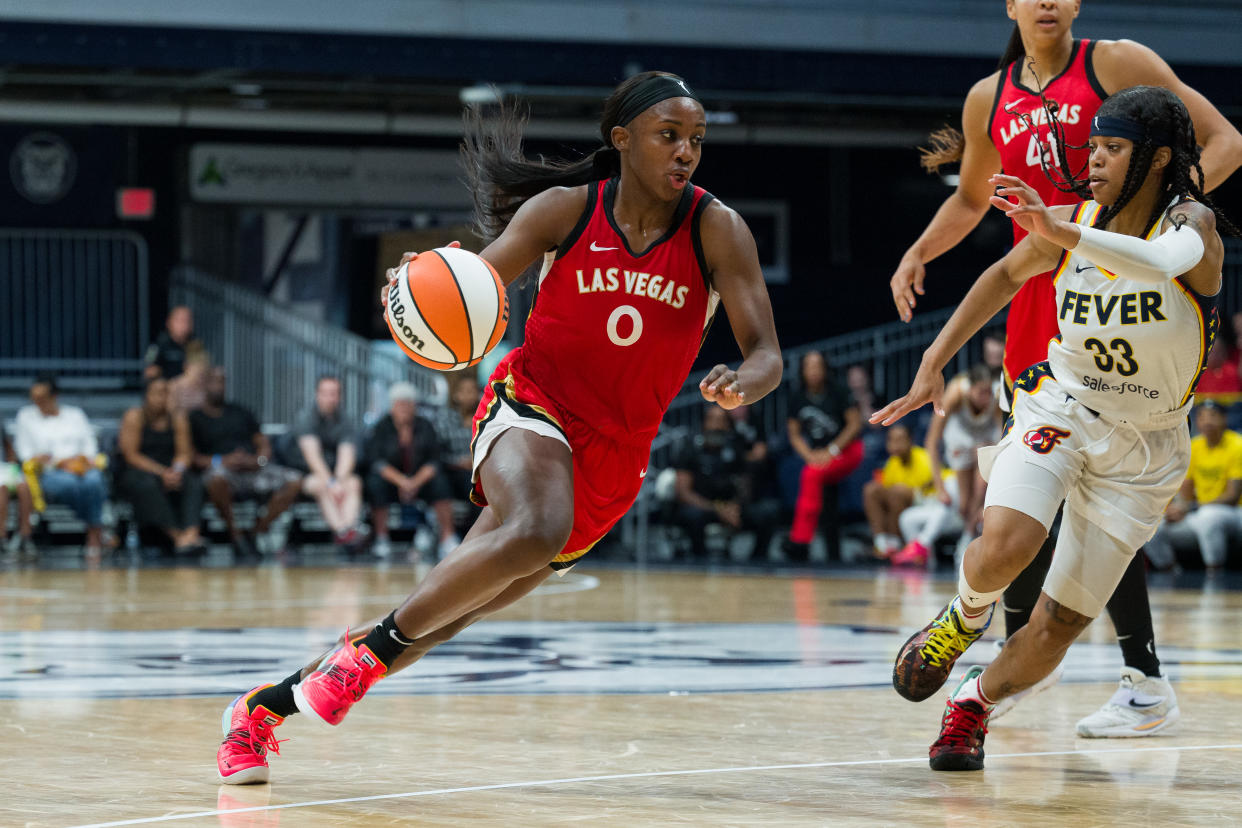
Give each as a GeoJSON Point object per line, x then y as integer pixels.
{"type": "Point", "coordinates": [947, 146]}
{"type": "Point", "coordinates": [500, 176]}
{"type": "Point", "coordinates": [1014, 50]}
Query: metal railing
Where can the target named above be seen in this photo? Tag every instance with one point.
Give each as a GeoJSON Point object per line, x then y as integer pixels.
{"type": "Point", "coordinates": [73, 303]}
{"type": "Point", "coordinates": [274, 355]}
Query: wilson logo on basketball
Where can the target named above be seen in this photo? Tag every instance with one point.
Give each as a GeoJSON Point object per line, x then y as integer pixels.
{"type": "Point", "coordinates": [1042, 440]}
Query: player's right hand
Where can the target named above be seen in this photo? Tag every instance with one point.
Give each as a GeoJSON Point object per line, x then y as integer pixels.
{"type": "Point", "coordinates": [391, 273]}
{"type": "Point", "coordinates": [928, 387]}
{"type": "Point", "coordinates": [907, 281]}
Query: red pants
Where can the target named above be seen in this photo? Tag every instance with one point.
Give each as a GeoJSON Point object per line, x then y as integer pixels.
{"type": "Point", "coordinates": [811, 490]}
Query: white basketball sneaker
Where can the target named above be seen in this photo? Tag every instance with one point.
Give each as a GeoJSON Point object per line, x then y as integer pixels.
{"type": "Point", "coordinates": [1142, 705]}
{"type": "Point", "coordinates": [1005, 705]}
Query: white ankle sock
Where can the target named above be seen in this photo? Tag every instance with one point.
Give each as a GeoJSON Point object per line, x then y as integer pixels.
{"type": "Point", "coordinates": [971, 691]}
{"type": "Point", "coordinates": [973, 618]}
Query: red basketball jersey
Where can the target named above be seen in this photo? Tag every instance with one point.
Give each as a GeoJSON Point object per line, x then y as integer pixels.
{"type": "Point", "coordinates": [1076, 94]}
{"type": "Point", "coordinates": [612, 333]}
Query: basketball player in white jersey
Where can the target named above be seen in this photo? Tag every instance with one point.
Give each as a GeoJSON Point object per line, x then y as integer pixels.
{"type": "Point", "coordinates": [1101, 425]}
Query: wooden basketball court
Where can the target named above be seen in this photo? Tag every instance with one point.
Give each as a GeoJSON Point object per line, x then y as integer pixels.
{"type": "Point", "coordinates": [611, 697]}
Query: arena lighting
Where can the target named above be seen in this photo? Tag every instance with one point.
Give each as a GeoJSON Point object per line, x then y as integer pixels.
{"type": "Point", "coordinates": [135, 202]}
{"type": "Point", "coordinates": [722, 117]}
{"type": "Point", "coordinates": [480, 94]}
{"type": "Point", "coordinates": [951, 179]}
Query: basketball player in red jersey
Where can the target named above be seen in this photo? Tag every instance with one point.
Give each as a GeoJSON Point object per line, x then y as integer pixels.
{"type": "Point", "coordinates": [634, 258]}
{"type": "Point", "coordinates": [1074, 77]}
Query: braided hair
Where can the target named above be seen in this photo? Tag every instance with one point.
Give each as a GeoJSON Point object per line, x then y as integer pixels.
{"type": "Point", "coordinates": [1163, 114]}
{"type": "Point", "coordinates": [501, 177]}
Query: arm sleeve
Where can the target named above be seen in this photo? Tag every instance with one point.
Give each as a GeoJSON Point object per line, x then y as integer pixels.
{"type": "Point", "coordinates": [1170, 255]}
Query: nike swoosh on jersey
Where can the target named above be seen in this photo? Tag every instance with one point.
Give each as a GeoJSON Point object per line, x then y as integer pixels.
{"type": "Point", "coordinates": [642, 473]}
{"type": "Point", "coordinates": [1081, 268]}
{"type": "Point", "coordinates": [599, 249]}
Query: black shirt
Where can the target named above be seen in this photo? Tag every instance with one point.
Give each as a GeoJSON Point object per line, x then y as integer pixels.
{"type": "Point", "coordinates": [167, 354]}
{"type": "Point", "coordinates": [716, 460]}
{"type": "Point", "coordinates": [233, 429]}
{"type": "Point", "coordinates": [331, 431]}
{"type": "Point", "coordinates": [384, 447]}
{"type": "Point", "coordinates": [821, 416]}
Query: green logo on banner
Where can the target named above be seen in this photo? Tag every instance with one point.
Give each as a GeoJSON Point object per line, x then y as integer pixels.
{"type": "Point", "coordinates": [211, 174]}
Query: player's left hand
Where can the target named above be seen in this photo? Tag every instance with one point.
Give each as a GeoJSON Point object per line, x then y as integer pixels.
{"type": "Point", "coordinates": [928, 387]}
{"type": "Point", "coordinates": [1026, 208]}
{"type": "Point", "coordinates": [721, 386]}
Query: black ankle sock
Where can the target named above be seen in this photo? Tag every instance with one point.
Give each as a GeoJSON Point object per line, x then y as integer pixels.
{"type": "Point", "coordinates": [278, 698]}
{"type": "Point", "coordinates": [1022, 595]}
{"type": "Point", "coordinates": [386, 640]}
{"type": "Point", "coordinates": [1131, 614]}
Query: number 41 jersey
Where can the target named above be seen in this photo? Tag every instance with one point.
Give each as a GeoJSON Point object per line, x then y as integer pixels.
{"type": "Point", "coordinates": [1127, 349]}
{"type": "Point", "coordinates": [613, 333]}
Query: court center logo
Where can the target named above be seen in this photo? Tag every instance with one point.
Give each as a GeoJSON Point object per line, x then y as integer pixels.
{"type": "Point", "coordinates": [43, 167]}
{"type": "Point", "coordinates": [1043, 439]}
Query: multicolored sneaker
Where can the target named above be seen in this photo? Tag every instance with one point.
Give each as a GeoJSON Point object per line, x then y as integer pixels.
{"type": "Point", "coordinates": [242, 757]}
{"type": "Point", "coordinates": [1143, 705]}
{"type": "Point", "coordinates": [925, 661]}
{"type": "Point", "coordinates": [342, 679]}
{"type": "Point", "coordinates": [962, 728]}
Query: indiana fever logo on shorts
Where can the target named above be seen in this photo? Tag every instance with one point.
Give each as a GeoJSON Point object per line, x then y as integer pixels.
{"type": "Point", "coordinates": [1044, 438]}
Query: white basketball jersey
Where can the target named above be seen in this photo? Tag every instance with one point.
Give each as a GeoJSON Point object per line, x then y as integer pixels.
{"type": "Point", "coordinates": [1127, 349]}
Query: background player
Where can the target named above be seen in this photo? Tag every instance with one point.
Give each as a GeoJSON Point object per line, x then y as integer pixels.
{"type": "Point", "coordinates": [563, 433]}
{"type": "Point", "coordinates": [1100, 425]}
{"type": "Point", "coordinates": [1073, 76]}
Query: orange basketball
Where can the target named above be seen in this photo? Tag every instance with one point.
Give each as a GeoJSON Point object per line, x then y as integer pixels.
{"type": "Point", "coordinates": [447, 309]}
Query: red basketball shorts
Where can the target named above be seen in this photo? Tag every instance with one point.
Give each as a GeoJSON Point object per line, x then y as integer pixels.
{"type": "Point", "coordinates": [607, 474]}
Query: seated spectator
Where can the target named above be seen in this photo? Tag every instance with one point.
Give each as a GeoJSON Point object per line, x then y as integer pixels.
{"type": "Point", "coordinates": [824, 426]}
{"type": "Point", "coordinates": [155, 475]}
{"type": "Point", "coordinates": [1220, 382]}
{"type": "Point", "coordinates": [931, 518]}
{"type": "Point", "coordinates": [972, 419]}
{"type": "Point", "coordinates": [906, 476]}
{"type": "Point", "coordinates": [455, 428]}
{"type": "Point", "coordinates": [1207, 507]}
{"type": "Point", "coordinates": [12, 484]}
{"type": "Point", "coordinates": [713, 485]}
{"type": "Point", "coordinates": [858, 381]}
{"type": "Point", "coordinates": [327, 446]}
{"type": "Point", "coordinates": [235, 458]}
{"type": "Point", "coordinates": [404, 456]}
{"type": "Point", "coordinates": [188, 391]}
{"type": "Point", "coordinates": [61, 443]}
{"type": "Point", "coordinates": [166, 355]}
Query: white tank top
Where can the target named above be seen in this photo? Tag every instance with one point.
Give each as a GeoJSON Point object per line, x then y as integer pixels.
{"type": "Point", "coordinates": [1127, 349]}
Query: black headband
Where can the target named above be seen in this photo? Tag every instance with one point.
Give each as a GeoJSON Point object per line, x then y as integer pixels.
{"type": "Point", "coordinates": [1130, 130]}
{"type": "Point", "coordinates": [650, 92]}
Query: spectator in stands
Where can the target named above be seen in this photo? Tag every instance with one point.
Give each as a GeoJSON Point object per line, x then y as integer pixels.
{"type": "Point", "coordinates": [235, 457]}
{"type": "Point", "coordinates": [61, 442]}
{"type": "Point", "coordinates": [328, 444]}
{"type": "Point", "coordinates": [189, 390]}
{"type": "Point", "coordinates": [1207, 507]}
{"type": "Point", "coordinates": [906, 476]}
{"type": "Point", "coordinates": [455, 428]}
{"type": "Point", "coordinates": [994, 353]}
{"type": "Point", "coordinates": [166, 355]}
{"type": "Point", "coordinates": [824, 426]}
{"type": "Point", "coordinates": [156, 475]}
{"type": "Point", "coordinates": [13, 484]}
{"type": "Point", "coordinates": [1220, 381]}
{"type": "Point", "coordinates": [858, 380]}
{"type": "Point", "coordinates": [404, 456]}
{"type": "Point", "coordinates": [713, 485]}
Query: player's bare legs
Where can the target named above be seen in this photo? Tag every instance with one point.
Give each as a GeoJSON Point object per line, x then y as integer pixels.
{"type": "Point", "coordinates": [1034, 651]}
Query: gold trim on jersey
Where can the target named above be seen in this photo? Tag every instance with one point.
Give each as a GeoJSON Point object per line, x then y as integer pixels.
{"type": "Point", "coordinates": [1207, 332]}
{"type": "Point", "coordinates": [567, 559]}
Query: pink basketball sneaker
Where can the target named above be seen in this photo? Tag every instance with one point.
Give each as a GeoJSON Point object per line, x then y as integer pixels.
{"type": "Point", "coordinates": [342, 679]}
{"type": "Point", "coordinates": [242, 757]}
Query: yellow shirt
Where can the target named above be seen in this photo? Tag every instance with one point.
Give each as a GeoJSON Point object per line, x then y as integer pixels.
{"type": "Point", "coordinates": [1212, 468]}
{"type": "Point", "coordinates": [917, 474]}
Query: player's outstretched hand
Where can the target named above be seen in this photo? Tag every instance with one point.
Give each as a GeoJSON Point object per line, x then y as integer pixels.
{"type": "Point", "coordinates": [1026, 208]}
{"type": "Point", "coordinates": [907, 281]}
{"type": "Point", "coordinates": [721, 386]}
{"type": "Point", "coordinates": [928, 387]}
{"type": "Point", "coordinates": [391, 273]}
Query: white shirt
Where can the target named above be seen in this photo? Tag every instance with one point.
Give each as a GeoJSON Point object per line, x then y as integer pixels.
{"type": "Point", "coordinates": [67, 434]}
{"type": "Point", "coordinates": [1127, 349]}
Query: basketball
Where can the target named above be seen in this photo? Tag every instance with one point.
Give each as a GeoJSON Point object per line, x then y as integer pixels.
{"type": "Point", "coordinates": [447, 309]}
